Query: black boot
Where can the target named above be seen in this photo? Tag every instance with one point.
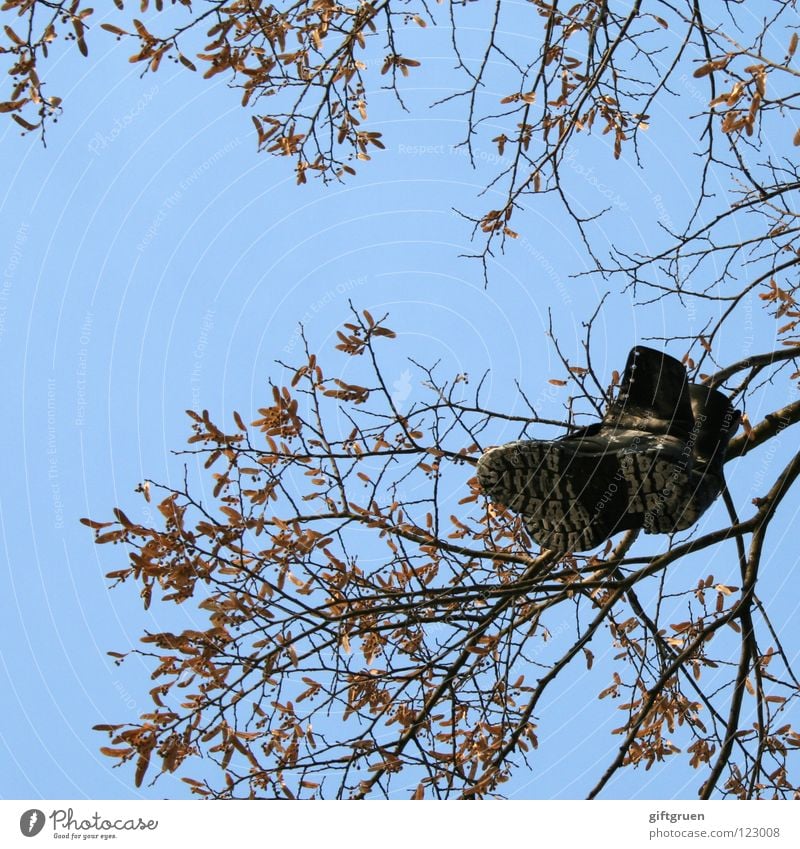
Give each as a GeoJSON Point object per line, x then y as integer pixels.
{"type": "Point", "coordinates": [653, 397]}
{"type": "Point", "coordinates": [574, 492]}
{"type": "Point", "coordinates": [715, 422]}
{"type": "Point", "coordinates": [628, 471]}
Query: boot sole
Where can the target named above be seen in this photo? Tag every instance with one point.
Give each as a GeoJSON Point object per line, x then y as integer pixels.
{"type": "Point", "coordinates": [703, 488]}
{"type": "Point", "coordinates": [574, 498]}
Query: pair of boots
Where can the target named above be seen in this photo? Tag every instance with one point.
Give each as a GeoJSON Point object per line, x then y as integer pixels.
{"type": "Point", "coordinates": [655, 462]}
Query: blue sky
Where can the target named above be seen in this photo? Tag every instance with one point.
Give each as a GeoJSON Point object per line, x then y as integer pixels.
{"type": "Point", "coordinates": [154, 262]}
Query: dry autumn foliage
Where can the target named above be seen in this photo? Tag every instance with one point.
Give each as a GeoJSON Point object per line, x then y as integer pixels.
{"type": "Point", "coordinates": [368, 635]}
{"type": "Point", "coordinates": [306, 71]}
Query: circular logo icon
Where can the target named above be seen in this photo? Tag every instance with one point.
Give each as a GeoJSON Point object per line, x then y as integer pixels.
{"type": "Point", "coordinates": [31, 822]}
